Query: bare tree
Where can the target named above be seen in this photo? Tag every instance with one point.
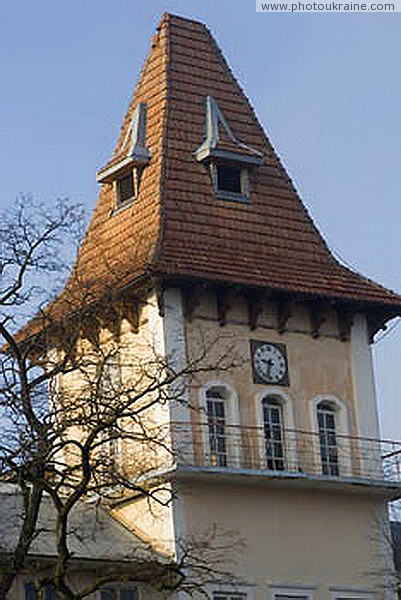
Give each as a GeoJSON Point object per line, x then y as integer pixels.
{"type": "Point", "coordinates": [72, 404]}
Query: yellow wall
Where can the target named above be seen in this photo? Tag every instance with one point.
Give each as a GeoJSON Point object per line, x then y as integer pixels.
{"type": "Point", "coordinates": [293, 537]}
{"type": "Point", "coordinates": [317, 367]}
{"type": "Point", "coordinates": [151, 521]}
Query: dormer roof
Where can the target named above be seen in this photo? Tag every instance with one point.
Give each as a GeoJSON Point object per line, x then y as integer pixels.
{"type": "Point", "coordinates": [177, 229]}
{"type": "Point", "coordinates": [220, 142]}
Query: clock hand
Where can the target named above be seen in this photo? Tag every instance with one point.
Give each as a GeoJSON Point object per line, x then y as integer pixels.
{"type": "Point", "coordinates": [270, 364]}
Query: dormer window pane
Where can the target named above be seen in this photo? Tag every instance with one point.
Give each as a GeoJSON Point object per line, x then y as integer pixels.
{"type": "Point", "coordinates": [125, 188]}
{"type": "Point", "coordinates": [229, 179]}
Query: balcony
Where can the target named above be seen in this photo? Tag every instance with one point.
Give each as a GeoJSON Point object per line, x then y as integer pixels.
{"type": "Point", "coordinates": [290, 457]}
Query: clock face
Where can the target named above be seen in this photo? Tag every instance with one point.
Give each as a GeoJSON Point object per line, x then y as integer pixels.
{"type": "Point", "coordinates": [269, 363]}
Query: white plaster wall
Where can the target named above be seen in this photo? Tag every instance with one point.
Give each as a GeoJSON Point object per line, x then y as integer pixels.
{"type": "Point", "coordinates": [175, 351]}
{"type": "Point", "coordinates": [180, 412]}
{"type": "Point", "coordinates": [364, 385]}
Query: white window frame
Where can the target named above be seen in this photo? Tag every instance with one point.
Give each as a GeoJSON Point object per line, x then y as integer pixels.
{"type": "Point", "coordinates": [342, 429]}
{"type": "Point", "coordinates": [217, 426]}
{"type": "Point", "coordinates": [292, 591]}
{"type": "Point", "coordinates": [231, 410]}
{"type": "Point", "coordinates": [330, 444]}
{"type": "Point", "coordinates": [230, 594]}
{"type": "Point", "coordinates": [230, 590]}
{"type": "Point", "coordinates": [271, 443]}
{"type": "Point", "coordinates": [354, 594]}
{"type": "Point", "coordinates": [290, 441]}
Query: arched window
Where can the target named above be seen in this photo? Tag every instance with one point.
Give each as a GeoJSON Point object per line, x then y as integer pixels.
{"type": "Point", "coordinates": [216, 421]}
{"type": "Point", "coordinates": [273, 428]}
{"type": "Point", "coordinates": [326, 419]}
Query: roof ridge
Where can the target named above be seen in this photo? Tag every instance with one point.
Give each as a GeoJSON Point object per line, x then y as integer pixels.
{"type": "Point", "coordinates": [167, 16]}
{"type": "Point", "coordinates": [158, 248]}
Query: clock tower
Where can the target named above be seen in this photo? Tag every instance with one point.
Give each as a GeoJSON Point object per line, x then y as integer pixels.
{"type": "Point", "coordinates": [210, 252]}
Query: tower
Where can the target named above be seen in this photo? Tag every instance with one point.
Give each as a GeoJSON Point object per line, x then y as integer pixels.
{"type": "Point", "coordinates": [207, 247]}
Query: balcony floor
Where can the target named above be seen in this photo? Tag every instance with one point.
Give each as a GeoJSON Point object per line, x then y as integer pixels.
{"type": "Point", "coordinates": [388, 490]}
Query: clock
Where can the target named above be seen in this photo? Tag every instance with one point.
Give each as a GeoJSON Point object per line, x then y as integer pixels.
{"type": "Point", "coordinates": [269, 363]}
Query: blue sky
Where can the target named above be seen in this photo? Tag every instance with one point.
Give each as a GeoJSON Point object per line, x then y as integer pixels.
{"type": "Point", "coordinates": [326, 87]}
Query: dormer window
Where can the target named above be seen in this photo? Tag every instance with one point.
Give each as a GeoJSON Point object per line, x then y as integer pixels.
{"type": "Point", "coordinates": [230, 181]}
{"type": "Point", "coordinates": [125, 173]}
{"type": "Point", "coordinates": [230, 161]}
{"type": "Point", "coordinates": [127, 187]}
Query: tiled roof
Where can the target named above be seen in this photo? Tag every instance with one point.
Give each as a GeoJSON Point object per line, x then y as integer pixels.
{"type": "Point", "coordinates": [93, 533]}
{"type": "Point", "coordinates": [176, 227]}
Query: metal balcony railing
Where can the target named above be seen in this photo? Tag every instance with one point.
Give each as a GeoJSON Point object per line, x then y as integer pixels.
{"type": "Point", "coordinates": [286, 451]}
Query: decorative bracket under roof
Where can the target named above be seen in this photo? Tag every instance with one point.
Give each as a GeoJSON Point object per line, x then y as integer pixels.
{"type": "Point", "coordinates": [138, 154]}
{"type": "Point", "coordinates": [229, 149]}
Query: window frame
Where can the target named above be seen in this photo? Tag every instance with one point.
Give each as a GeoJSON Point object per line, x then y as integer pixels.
{"type": "Point", "coordinates": [270, 402]}
{"type": "Point", "coordinates": [245, 591]}
{"type": "Point", "coordinates": [328, 439]}
{"type": "Point", "coordinates": [352, 594]}
{"type": "Point", "coordinates": [290, 591]}
{"type": "Point", "coordinates": [288, 426]}
{"type": "Point", "coordinates": [232, 420]}
{"type": "Point", "coordinates": [42, 593]}
{"type": "Point", "coordinates": [136, 172]}
{"type": "Point", "coordinates": [110, 382]}
{"type": "Point", "coordinates": [342, 430]}
{"type": "Point", "coordinates": [229, 595]}
{"type": "Point", "coordinates": [217, 424]}
{"type": "Point", "coordinates": [118, 587]}
{"type": "Point", "coordinates": [243, 195]}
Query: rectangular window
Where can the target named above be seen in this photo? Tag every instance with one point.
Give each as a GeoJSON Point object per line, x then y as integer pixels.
{"type": "Point", "coordinates": [229, 596]}
{"type": "Point", "coordinates": [30, 592]}
{"type": "Point", "coordinates": [48, 592]}
{"type": "Point", "coordinates": [229, 179]}
{"type": "Point", "coordinates": [217, 436]}
{"type": "Point", "coordinates": [119, 593]}
{"type": "Point", "coordinates": [110, 377]}
{"type": "Point", "coordinates": [328, 440]}
{"type": "Point", "coordinates": [110, 387]}
{"type": "Point", "coordinates": [292, 594]}
{"type": "Point", "coordinates": [290, 597]}
{"type": "Point", "coordinates": [111, 446]}
{"type": "Point", "coordinates": [274, 435]}
{"type": "Point", "coordinates": [352, 595]}
{"type": "Point", "coordinates": [125, 188]}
